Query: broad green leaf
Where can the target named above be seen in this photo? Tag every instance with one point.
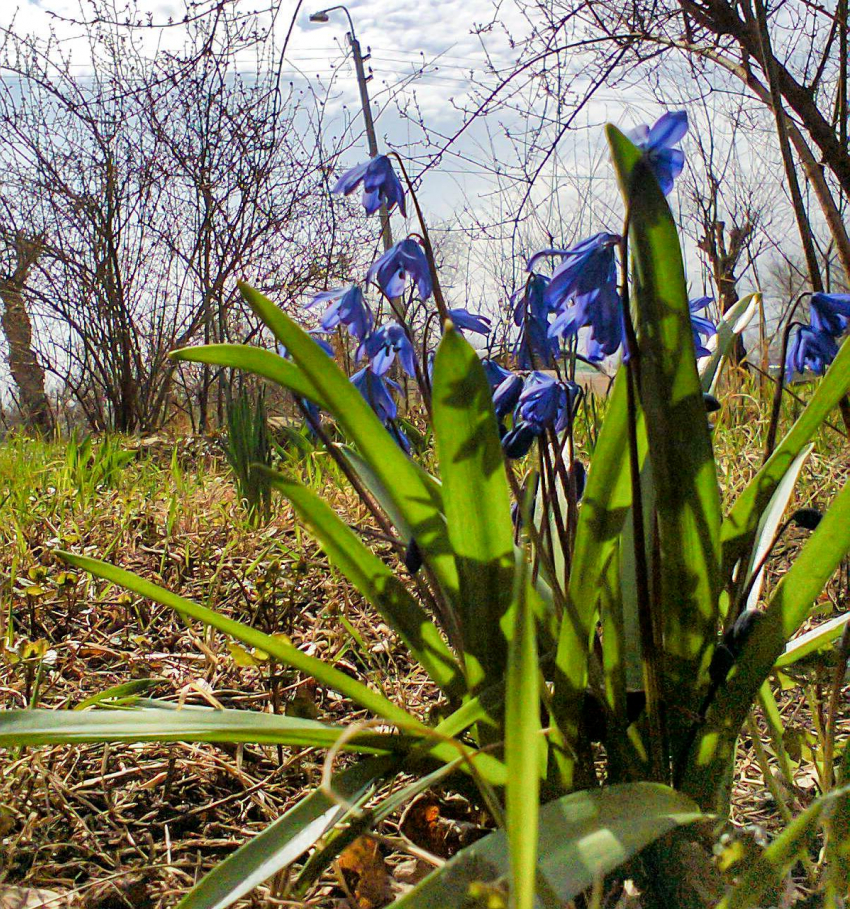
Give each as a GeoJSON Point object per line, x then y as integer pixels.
{"type": "Point", "coordinates": [523, 747]}
{"type": "Point", "coordinates": [400, 477]}
{"type": "Point", "coordinates": [256, 360]}
{"type": "Point", "coordinates": [276, 647]}
{"type": "Point", "coordinates": [284, 841]}
{"type": "Point", "coordinates": [604, 508]}
{"type": "Point", "coordinates": [284, 652]}
{"type": "Point", "coordinates": [770, 521]}
{"type": "Point", "coordinates": [731, 325]}
{"type": "Point", "coordinates": [810, 642]}
{"type": "Point", "coordinates": [476, 500]}
{"type": "Point", "coordinates": [188, 724]}
{"type": "Point", "coordinates": [767, 872]}
{"type": "Point", "coordinates": [788, 608]}
{"type": "Point", "coordinates": [583, 836]}
{"type": "Point", "coordinates": [739, 527]}
{"type": "Point", "coordinates": [377, 583]}
{"type": "Point", "coordinates": [686, 491]}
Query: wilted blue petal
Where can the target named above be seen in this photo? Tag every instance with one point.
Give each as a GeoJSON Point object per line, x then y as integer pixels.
{"type": "Point", "coordinates": [830, 313]}
{"type": "Point", "coordinates": [495, 374]}
{"type": "Point", "coordinates": [507, 395]}
{"type": "Point", "coordinates": [517, 443]}
{"type": "Point", "coordinates": [812, 350]}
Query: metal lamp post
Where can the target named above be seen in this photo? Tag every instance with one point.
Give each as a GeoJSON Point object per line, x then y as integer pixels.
{"type": "Point", "coordinates": [322, 16]}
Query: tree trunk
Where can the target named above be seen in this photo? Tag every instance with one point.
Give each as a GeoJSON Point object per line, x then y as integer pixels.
{"type": "Point", "coordinates": [26, 371]}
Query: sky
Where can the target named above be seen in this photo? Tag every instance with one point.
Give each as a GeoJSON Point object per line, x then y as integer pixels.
{"type": "Point", "coordinates": [425, 55]}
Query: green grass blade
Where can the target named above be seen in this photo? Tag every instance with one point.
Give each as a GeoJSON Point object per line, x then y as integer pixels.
{"type": "Point", "coordinates": [279, 845]}
{"type": "Point", "coordinates": [583, 836]}
{"type": "Point", "coordinates": [686, 490]}
{"type": "Point", "coordinates": [400, 477]}
{"type": "Point", "coordinates": [276, 648]}
{"type": "Point", "coordinates": [739, 527]}
{"type": "Point", "coordinates": [477, 504]}
{"type": "Point", "coordinates": [523, 748]}
{"type": "Point", "coordinates": [377, 583]}
{"type": "Point", "coordinates": [256, 360]}
{"type": "Point", "coordinates": [788, 608]}
{"type": "Point", "coordinates": [838, 841]}
{"type": "Point", "coordinates": [188, 724]}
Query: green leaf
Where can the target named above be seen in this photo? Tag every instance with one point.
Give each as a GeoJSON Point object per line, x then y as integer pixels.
{"type": "Point", "coordinates": [403, 481]}
{"type": "Point", "coordinates": [282, 843]}
{"type": "Point", "coordinates": [838, 840]}
{"type": "Point", "coordinates": [684, 474]}
{"type": "Point", "coordinates": [605, 506]}
{"type": "Point", "coordinates": [476, 500]}
{"type": "Point", "coordinates": [523, 748]}
{"type": "Point", "coordinates": [731, 325]}
{"type": "Point", "coordinates": [275, 647]}
{"type": "Point", "coordinates": [377, 583]}
{"type": "Point", "coordinates": [583, 836]}
{"type": "Point", "coordinates": [119, 692]}
{"type": "Point", "coordinates": [817, 639]}
{"type": "Point", "coordinates": [770, 521]}
{"type": "Point", "coordinates": [256, 360]}
{"type": "Point", "coordinates": [739, 527]}
{"type": "Point", "coordinates": [188, 724]}
{"type": "Point", "coordinates": [788, 608]}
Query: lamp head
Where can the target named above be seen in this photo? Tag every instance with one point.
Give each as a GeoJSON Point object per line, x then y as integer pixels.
{"type": "Point", "coordinates": [319, 17]}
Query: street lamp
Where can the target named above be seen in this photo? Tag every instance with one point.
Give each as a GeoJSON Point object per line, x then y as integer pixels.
{"type": "Point", "coordinates": [321, 16]}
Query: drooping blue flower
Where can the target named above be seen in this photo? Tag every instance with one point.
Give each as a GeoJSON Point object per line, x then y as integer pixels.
{"type": "Point", "coordinates": [583, 292]}
{"type": "Point", "coordinates": [531, 316]}
{"type": "Point", "coordinates": [517, 443]}
{"type": "Point", "coordinates": [381, 186]}
{"type": "Point", "coordinates": [376, 390]}
{"type": "Point", "coordinates": [495, 374]}
{"type": "Point", "coordinates": [382, 346]}
{"type": "Point", "coordinates": [314, 414]}
{"type": "Point", "coordinates": [658, 144]}
{"type": "Point", "coordinates": [547, 402]}
{"type": "Point", "coordinates": [506, 396]}
{"type": "Point", "coordinates": [464, 320]}
{"type": "Point", "coordinates": [702, 328]}
{"type": "Point", "coordinates": [810, 349]}
{"type": "Point", "coordinates": [404, 260]}
{"type": "Point", "coordinates": [830, 313]}
{"type": "Point", "coordinates": [347, 308]}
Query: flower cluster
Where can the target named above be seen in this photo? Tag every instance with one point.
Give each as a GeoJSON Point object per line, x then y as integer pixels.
{"type": "Point", "coordinates": [815, 345]}
{"type": "Point", "coordinates": [549, 311]}
{"type": "Point", "coordinates": [403, 266]}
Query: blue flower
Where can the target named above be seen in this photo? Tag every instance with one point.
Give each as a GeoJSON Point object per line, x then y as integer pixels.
{"type": "Point", "coordinates": [404, 260]}
{"type": "Point", "coordinates": [506, 396]}
{"type": "Point", "coordinates": [517, 443]}
{"type": "Point", "coordinates": [375, 390]}
{"type": "Point", "coordinates": [464, 320]}
{"type": "Point", "coordinates": [583, 291]}
{"type": "Point", "coordinates": [382, 346]}
{"type": "Point", "coordinates": [546, 402]}
{"type": "Point", "coordinates": [657, 144]}
{"type": "Point", "coordinates": [495, 374]}
{"type": "Point", "coordinates": [381, 186]}
{"type": "Point", "coordinates": [531, 316]}
{"type": "Point", "coordinates": [314, 415]}
{"type": "Point", "coordinates": [347, 308]}
{"type": "Point", "coordinates": [810, 349]}
{"type": "Point", "coordinates": [701, 327]}
{"type": "Point", "coordinates": [830, 313]}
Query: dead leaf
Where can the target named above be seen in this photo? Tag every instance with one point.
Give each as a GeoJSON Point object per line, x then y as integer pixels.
{"type": "Point", "coordinates": [31, 898]}
{"type": "Point", "coordinates": [365, 873]}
